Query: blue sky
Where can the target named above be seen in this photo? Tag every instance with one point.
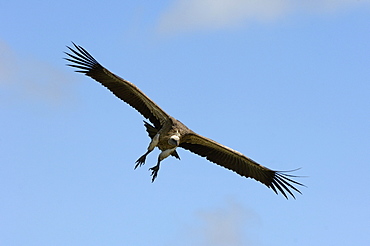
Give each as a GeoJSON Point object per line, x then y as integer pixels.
{"type": "Point", "coordinates": [286, 84]}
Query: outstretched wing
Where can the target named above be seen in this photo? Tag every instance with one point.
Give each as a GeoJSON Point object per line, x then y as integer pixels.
{"type": "Point", "coordinates": [123, 89]}
{"type": "Point", "coordinates": [239, 163]}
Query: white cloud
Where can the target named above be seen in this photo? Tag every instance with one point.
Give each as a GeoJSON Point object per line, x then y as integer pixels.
{"type": "Point", "coordinates": [24, 80]}
{"type": "Point", "coordinates": [189, 15]}
{"type": "Point", "coordinates": [230, 225]}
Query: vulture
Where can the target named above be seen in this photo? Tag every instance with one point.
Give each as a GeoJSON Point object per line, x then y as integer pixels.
{"type": "Point", "coordinates": [168, 134]}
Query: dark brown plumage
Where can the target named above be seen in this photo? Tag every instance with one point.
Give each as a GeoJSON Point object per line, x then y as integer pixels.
{"type": "Point", "coordinates": [168, 133]}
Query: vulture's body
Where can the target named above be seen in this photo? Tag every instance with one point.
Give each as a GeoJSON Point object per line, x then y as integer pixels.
{"type": "Point", "coordinates": [168, 133]}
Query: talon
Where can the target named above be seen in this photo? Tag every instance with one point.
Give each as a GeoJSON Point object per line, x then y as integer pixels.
{"type": "Point", "coordinates": [154, 170]}
{"type": "Point", "coordinates": [140, 161]}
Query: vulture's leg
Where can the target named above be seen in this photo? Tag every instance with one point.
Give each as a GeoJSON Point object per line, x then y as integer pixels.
{"type": "Point", "coordinates": [151, 146]}
{"type": "Point", "coordinates": [155, 170]}
{"type": "Point", "coordinates": [164, 154]}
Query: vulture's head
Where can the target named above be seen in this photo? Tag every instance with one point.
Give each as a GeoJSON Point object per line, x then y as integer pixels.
{"type": "Point", "coordinates": [174, 139]}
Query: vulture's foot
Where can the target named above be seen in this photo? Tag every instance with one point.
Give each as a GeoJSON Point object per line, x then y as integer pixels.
{"type": "Point", "coordinates": [140, 161]}
{"type": "Point", "coordinates": [154, 170]}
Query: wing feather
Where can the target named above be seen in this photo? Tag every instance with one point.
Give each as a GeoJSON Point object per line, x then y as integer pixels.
{"type": "Point", "coordinates": [123, 89]}
{"type": "Point", "coordinates": [239, 163]}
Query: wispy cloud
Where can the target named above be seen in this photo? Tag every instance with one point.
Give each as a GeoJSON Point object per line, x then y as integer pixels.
{"type": "Point", "coordinates": [190, 15]}
{"type": "Point", "coordinates": [25, 80]}
{"type": "Point", "coordinates": [229, 225]}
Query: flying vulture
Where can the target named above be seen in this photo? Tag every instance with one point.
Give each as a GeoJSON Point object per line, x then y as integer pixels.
{"type": "Point", "coordinates": [167, 133]}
